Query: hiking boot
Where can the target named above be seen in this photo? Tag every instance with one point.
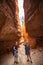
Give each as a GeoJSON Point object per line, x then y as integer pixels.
{"type": "Point", "coordinates": [16, 62]}
{"type": "Point", "coordinates": [28, 60]}
{"type": "Point", "coordinates": [31, 61]}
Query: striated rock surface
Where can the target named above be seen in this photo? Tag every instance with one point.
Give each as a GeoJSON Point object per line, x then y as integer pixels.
{"type": "Point", "coordinates": [34, 17]}
{"type": "Point", "coordinates": [33, 10]}
{"type": "Point", "coordinates": [9, 19]}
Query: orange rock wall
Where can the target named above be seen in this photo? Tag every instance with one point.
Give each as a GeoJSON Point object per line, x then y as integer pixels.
{"type": "Point", "coordinates": [33, 10]}
{"type": "Point", "coordinates": [34, 17]}
{"type": "Point", "coordinates": [9, 19]}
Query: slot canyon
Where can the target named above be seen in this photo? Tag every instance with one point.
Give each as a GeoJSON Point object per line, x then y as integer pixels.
{"type": "Point", "coordinates": [10, 28]}
{"type": "Point", "coordinates": [16, 26]}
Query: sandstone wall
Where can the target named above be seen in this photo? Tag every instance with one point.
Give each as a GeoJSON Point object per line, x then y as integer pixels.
{"type": "Point", "coordinates": [9, 19]}
{"type": "Point", "coordinates": [34, 17]}
{"type": "Point", "coordinates": [33, 10]}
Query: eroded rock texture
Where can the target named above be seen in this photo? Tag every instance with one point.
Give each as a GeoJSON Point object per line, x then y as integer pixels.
{"type": "Point", "coordinates": [34, 17]}
{"type": "Point", "coordinates": [33, 10]}
{"type": "Point", "coordinates": [9, 18]}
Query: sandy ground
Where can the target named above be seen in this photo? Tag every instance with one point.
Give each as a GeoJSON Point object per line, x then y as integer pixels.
{"type": "Point", "coordinates": [36, 55]}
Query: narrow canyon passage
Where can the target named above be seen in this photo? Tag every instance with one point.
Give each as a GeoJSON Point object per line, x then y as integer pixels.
{"type": "Point", "coordinates": [19, 20]}
{"type": "Point", "coordinates": [14, 13]}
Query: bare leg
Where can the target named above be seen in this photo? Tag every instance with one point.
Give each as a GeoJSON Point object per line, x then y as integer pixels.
{"type": "Point", "coordinates": [27, 58]}
{"type": "Point", "coordinates": [16, 59]}
{"type": "Point", "coordinates": [30, 59]}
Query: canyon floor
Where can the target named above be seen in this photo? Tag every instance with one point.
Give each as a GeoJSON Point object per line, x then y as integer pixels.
{"type": "Point", "coordinates": [36, 56]}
